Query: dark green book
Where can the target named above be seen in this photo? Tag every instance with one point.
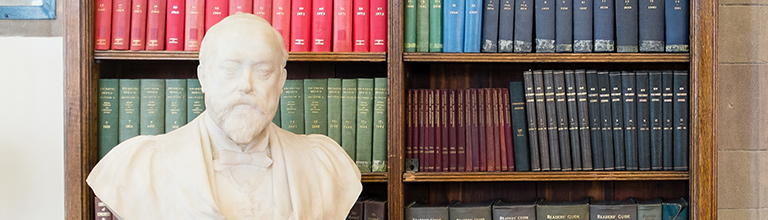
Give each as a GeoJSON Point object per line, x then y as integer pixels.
{"type": "Point", "coordinates": [349, 116]}
{"type": "Point", "coordinates": [475, 211]}
{"type": "Point", "coordinates": [409, 36]}
{"type": "Point", "coordinates": [108, 115]}
{"type": "Point", "coordinates": [334, 109]}
{"type": "Point", "coordinates": [416, 211]}
{"type": "Point", "coordinates": [649, 209]}
{"type": "Point", "coordinates": [613, 210]}
{"type": "Point", "coordinates": [422, 25]}
{"type": "Point", "coordinates": [562, 210]}
{"type": "Point", "coordinates": [292, 106]}
{"type": "Point", "coordinates": [379, 160]}
{"type": "Point", "coordinates": [316, 106]}
{"type": "Point", "coordinates": [675, 210]}
{"type": "Point", "coordinates": [175, 104]}
{"type": "Point", "coordinates": [516, 211]}
{"type": "Point", "coordinates": [435, 25]}
{"type": "Point", "coordinates": [519, 130]}
{"type": "Point", "coordinates": [129, 109]}
{"type": "Point", "coordinates": [152, 116]}
{"type": "Point", "coordinates": [364, 138]}
{"type": "Point", "coordinates": [195, 99]}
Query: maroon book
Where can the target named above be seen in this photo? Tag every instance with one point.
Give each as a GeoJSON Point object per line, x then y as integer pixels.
{"type": "Point", "coordinates": [409, 121]}
{"type": "Point", "coordinates": [489, 136]}
{"type": "Point", "coordinates": [452, 131]}
{"type": "Point", "coordinates": [482, 134]}
{"type": "Point", "coordinates": [461, 129]}
{"type": "Point", "coordinates": [422, 147]}
{"type": "Point", "coordinates": [430, 152]}
{"type": "Point", "coordinates": [473, 136]}
{"type": "Point", "coordinates": [438, 120]}
{"type": "Point", "coordinates": [446, 144]}
{"type": "Point", "coordinates": [506, 109]}
{"type": "Point", "coordinates": [498, 123]}
{"type": "Point", "coordinates": [103, 24]}
{"type": "Point", "coordinates": [102, 212]}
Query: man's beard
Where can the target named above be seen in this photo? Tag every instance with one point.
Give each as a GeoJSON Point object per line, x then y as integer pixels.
{"type": "Point", "coordinates": [240, 118]}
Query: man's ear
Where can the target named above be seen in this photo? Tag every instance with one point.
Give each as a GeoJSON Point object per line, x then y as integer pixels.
{"type": "Point", "coordinates": [201, 77]}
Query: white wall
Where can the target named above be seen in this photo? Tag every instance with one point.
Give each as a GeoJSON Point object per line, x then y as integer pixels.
{"type": "Point", "coordinates": [31, 128]}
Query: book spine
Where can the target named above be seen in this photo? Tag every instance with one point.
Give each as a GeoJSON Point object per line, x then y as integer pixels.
{"type": "Point", "coordinates": [360, 23]}
{"type": "Point", "coordinates": [552, 122]}
{"type": "Point", "coordinates": [175, 104]}
{"type": "Point", "coordinates": [606, 120]}
{"type": "Point", "coordinates": [680, 120]}
{"type": "Point", "coordinates": [623, 211]}
{"type": "Point", "coordinates": [452, 132]}
{"type": "Point", "coordinates": [102, 212]}
{"type": "Point", "coordinates": [490, 26]}
{"type": "Point", "coordinates": [461, 130]}
{"type": "Point", "coordinates": [422, 26]}
{"type": "Point", "coordinates": [667, 95]}
{"type": "Point", "coordinates": [561, 109]}
{"type": "Point", "coordinates": [374, 209]}
{"type": "Point", "coordinates": [531, 119]}
{"type": "Point", "coordinates": [542, 121]}
{"type": "Point", "coordinates": [342, 25]}
{"type": "Point", "coordinates": [564, 26]}
{"type": "Point", "coordinates": [108, 115]}
{"type": "Point", "coordinates": [129, 109]}
{"type": "Point", "coordinates": [121, 24]}
{"type": "Point", "coordinates": [438, 130]}
{"type": "Point", "coordinates": [676, 18]}
{"type": "Point", "coordinates": [629, 93]}
{"type": "Point", "coordinates": [138, 24]}
{"type": "Point", "coordinates": [656, 120]}
{"type": "Point", "coordinates": [453, 16]}
{"type": "Point", "coordinates": [469, 131]}
{"type": "Point", "coordinates": [505, 114]}
{"type": "Point", "coordinates": [435, 26]}
{"type": "Point", "coordinates": [193, 24]}
{"type": "Point", "coordinates": [545, 26]}
{"type": "Point", "coordinates": [477, 134]}
{"type": "Point", "coordinates": [315, 106]}
{"type": "Point", "coordinates": [626, 26]}
{"type": "Point", "coordinates": [240, 6]}
{"type": "Point", "coordinates": [473, 18]}
{"type": "Point", "coordinates": [518, 97]}
{"type": "Point", "coordinates": [643, 121]}
{"type": "Point", "coordinates": [301, 25]}
{"type": "Point", "coordinates": [582, 26]}
{"type": "Point", "coordinates": [444, 132]}
{"type": "Point", "coordinates": [292, 106]}
{"type": "Point", "coordinates": [195, 99]}
{"type": "Point", "coordinates": [410, 117]}
{"type": "Point", "coordinates": [649, 211]}
{"type": "Point", "coordinates": [215, 10]}
{"type": "Point", "coordinates": [281, 20]}
{"type": "Point", "coordinates": [174, 28]}
{"type": "Point", "coordinates": [617, 114]}
{"type": "Point", "coordinates": [409, 20]}
{"type": "Point", "coordinates": [499, 151]}
{"type": "Point", "coordinates": [582, 101]}
{"type": "Point", "coordinates": [152, 107]}
{"type": "Point", "coordinates": [261, 8]}
{"type": "Point", "coordinates": [378, 30]}
{"type": "Point", "coordinates": [334, 109]}
{"type": "Point", "coordinates": [349, 116]}
{"type": "Point", "coordinates": [486, 134]}
{"type": "Point", "coordinates": [595, 122]}
{"type": "Point", "coordinates": [364, 124]}
{"type": "Point", "coordinates": [523, 26]}
{"type": "Point", "coordinates": [432, 139]}
{"type": "Point", "coordinates": [604, 26]}
{"type": "Point", "coordinates": [507, 26]}
{"type": "Point", "coordinates": [573, 119]}
{"type": "Point", "coordinates": [103, 20]}
{"type": "Point", "coordinates": [423, 125]}
{"type": "Point", "coordinates": [651, 23]}
{"type": "Point", "coordinates": [379, 156]}
{"type": "Point", "coordinates": [156, 25]}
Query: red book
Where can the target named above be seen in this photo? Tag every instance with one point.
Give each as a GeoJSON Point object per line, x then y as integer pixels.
{"type": "Point", "coordinates": [342, 25]}
{"type": "Point", "coordinates": [452, 144]}
{"type": "Point", "coordinates": [102, 212]}
{"type": "Point", "coordinates": [498, 130]}
{"type": "Point", "coordinates": [378, 26]}
{"type": "Point", "coordinates": [138, 24]}
{"type": "Point", "coordinates": [263, 9]}
{"type": "Point", "coordinates": [409, 121]}
{"type": "Point", "coordinates": [438, 161]}
{"type": "Point", "coordinates": [121, 24]}
{"type": "Point", "coordinates": [215, 10]}
{"type": "Point", "coordinates": [470, 132]}
{"type": "Point", "coordinates": [237, 6]}
{"type": "Point", "coordinates": [174, 28]}
{"type": "Point", "coordinates": [301, 25]}
{"type": "Point", "coordinates": [156, 25]}
{"type": "Point", "coordinates": [194, 28]}
{"type": "Point", "coordinates": [281, 20]}
{"type": "Point", "coordinates": [322, 25]}
{"type": "Point", "coordinates": [361, 23]}
{"type": "Point", "coordinates": [483, 131]}
{"type": "Point", "coordinates": [422, 147]}
{"type": "Point", "coordinates": [490, 137]}
{"type": "Point", "coordinates": [461, 129]}
{"type": "Point", "coordinates": [476, 117]}
{"type": "Point", "coordinates": [445, 151]}
{"type": "Point", "coordinates": [103, 24]}
{"type": "Point", "coordinates": [508, 129]}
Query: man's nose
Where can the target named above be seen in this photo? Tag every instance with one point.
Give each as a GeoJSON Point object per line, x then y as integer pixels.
{"type": "Point", "coordinates": [245, 85]}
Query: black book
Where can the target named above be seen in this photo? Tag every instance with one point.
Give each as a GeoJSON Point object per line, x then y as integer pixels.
{"type": "Point", "coordinates": [564, 26]}
{"type": "Point", "coordinates": [552, 132]}
{"type": "Point", "coordinates": [584, 120]}
{"type": "Point", "coordinates": [562, 210]}
{"type": "Point", "coordinates": [573, 119]}
{"type": "Point", "coordinates": [628, 84]}
{"type": "Point", "coordinates": [613, 210]}
{"type": "Point", "coordinates": [545, 26]}
{"type": "Point", "coordinates": [375, 209]}
{"type": "Point", "coordinates": [519, 131]}
{"type": "Point", "coordinates": [542, 122]}
{"type": "Point", "coordinates": [680, 120]}
{"type": "Point", "coordinates": [523, 26]}
{"type": "Point", "coordinates": [617, 115]}
{"type": "Point", "coordinates": [649, 209]}
{"type": "Point", "coordinates": [415, 211]}
{"type": "Point", "coordinates": [582, 26]}
{"type": "Point", "coordinates": [530, 110]}
{"type": "Point", "coordinates": [507, 26]}
{"type": "Point", "coordinates": [667, 95]}
{"type": "Point", "coordinates": [505, 210]}
{"type": "Point", "coordinates": [356, 213]}
{"type": "Point", "coordinates": [606, 119]}
{"type": "Point", "coordinates": [490, 26]}
{"type": "Point", "coordinates": [561, 109]}
{"type": "Point", "coordinates": [626, 26]}
{"type": "Point", "coordinates": [603, 26]}
{"type": "Point", "coordinates": [595, 132]}
{"type": "Point", "coordinates": [471, 210]}
{"type": "Point", "coordinates": [651, 21]}
{"type": "Point", "coordinates": [654, 106]}
{"type": "Point", "coordinates": [643, 121]}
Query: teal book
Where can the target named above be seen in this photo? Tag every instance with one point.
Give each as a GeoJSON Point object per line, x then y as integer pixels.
{"type": "Point", "coordinates": [316, 106]}
{"type": "Point", "coordinates": [436, 26]}
{"type": "Point", "coordinates": [422, 25]}
{"type": "Point", "coordinates": [108, 115]}
{"type": "Point", "coordinates": [129, 109]}
{"type": "Point", "coordinates": [675, 210]}
{"type": "Point", "coordinates": [195, 99]}
{"type": "Point", "coordinates": [349, 116]}
{"type": "Point", "coordinates": [379, 160]}
{"type": "Point", "coordinates": [152, 115]}
{"type": "Point", "coordinates": [277, 119]}
{"type": "Point", "coordinates": [409, 34]}
{"type": "Point", "coordinates": [292, 106]}
{"type": "Point", "coordinates": [175, 104]}
{"type": "Point", "coordinates": [364, 138]}
{"type": "Point", "coordinates": [334, 109]}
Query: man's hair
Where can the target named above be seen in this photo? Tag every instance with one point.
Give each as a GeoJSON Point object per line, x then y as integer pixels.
{"type": "Point", "coordinates": [251, 20]}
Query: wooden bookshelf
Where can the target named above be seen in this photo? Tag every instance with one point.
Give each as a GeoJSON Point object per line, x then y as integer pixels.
{"type": "Point", "coordinates": [545, 176]}
{"type": "Point", "coordinates": [374, 177]}
{"type": "Point", "coordinates": [193, 55]}
{"type": "Point", "coordinates": [548, 57]}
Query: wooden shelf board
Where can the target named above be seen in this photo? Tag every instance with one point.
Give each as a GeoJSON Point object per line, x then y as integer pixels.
{"type": "Point", "coordinates": [193, 55]}
{"type": "Point", "coordinates": [374, 177]}
{"type": "Point", "coordinates": [549, 57]}
{"type": "Point", "coordinates": [546, 176]}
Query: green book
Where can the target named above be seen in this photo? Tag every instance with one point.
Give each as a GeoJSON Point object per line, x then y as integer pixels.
{"type": "Point", "coordinates": [195, 99]}
{"type": "Point", "coordinates": [613, 210]}
{"type": "Point", "coordinates": [108, 115]}
{"type": "Point", "coordinates": [277, 119]}
{"type": "Point", "coordinates": [409, 39]}
{"type": "Point", "coordinates": [292, 106]}
{"type": "Point", "coordinates": [379, 161]}
{"type": "Point", "coordinates": [152, 115]}
{"type": "Point", "coordinates": [649, 209]}
{"type": "Point", "coordinates": [364, 124]}
{"type": "Point", "coordinates": [349, 116]}
{"type": "Point", "coordinates": [422, 25]}
{"type": "Point", "coordinates": [175, 104]}
{"type": "Point", "coordinates": [334, 109]}
{"type": "Point", "coordinates": [129, 109]}
{"type": "Point", "coordinates": [316, 106]}
{"type": "Point", "coordinates": [435, 25]}
{"type": "Point", "coordinates": [562, 210]}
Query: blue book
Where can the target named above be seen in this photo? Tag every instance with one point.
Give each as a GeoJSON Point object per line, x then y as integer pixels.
{"type": "Point", "coordinates": [680, 120]}
{"type": "Point", "coordinates": [628, 86]}
{"type": "Point", "coordinates": [490, 26]}
{"type": "Point", "coordinates": [626, 26]}
{"type": "Point", "coordinates": [603, 26]}
{"type": "Point", "coordinates": [453, 17]}
{"type": "Point", "coordinates": [617, 115]}
{"type": "Point", "coordinates": [523, 26]}
{"type": "Point", "coordinates": [651, 20]}
{"type": "Point", "coordinates": [582, 26]}
{"type": "Point", "coordinates": [564, 26]}
{"type": "Point", "coordinates": [643, 120]}
{"type": "Point", "coordinates": [545, 26]}
{"type": "Point", "coordinates": [473, 18]}
{"type": "Point", "coordinates": [507, 26]}
{"type": "Point", "coordinates": [654, 106]}
{"type": "Point", "coordinates": [606, 120]}
{"type": "Point", "coordinates": [674, 210]}
{"type": "Point", "coordinates": [667, 95]}
{"type": "Point", "coordinates": [676, 15]}
{"type": "Point", "coordinates": [595, 132]}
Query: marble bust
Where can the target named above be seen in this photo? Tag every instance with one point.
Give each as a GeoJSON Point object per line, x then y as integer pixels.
{"type": "Point", "coordinates": [231, 162]}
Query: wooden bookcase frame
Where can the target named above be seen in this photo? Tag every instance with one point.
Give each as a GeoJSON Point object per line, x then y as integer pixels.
{"type": "Point", "coordinates": [81, 78]}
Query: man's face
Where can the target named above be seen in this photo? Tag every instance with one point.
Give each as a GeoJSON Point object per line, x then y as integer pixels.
{"type": "Point", "coordinates": [242, 79]}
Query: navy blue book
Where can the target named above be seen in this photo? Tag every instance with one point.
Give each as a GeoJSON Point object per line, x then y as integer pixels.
{"type": "Point", "coordinates": [520, 133]}
{"type": "Point", "coordinates": [606, 119]}
{"type": "Point", "coordinates": [676, 16]}
{"type": "Point", "coordinates": [626, 26]}
{"type": "Point", "coordinates": [667, 95]}
{"type": "Point", "coordinates": [473, 18]}
{"type": "Point", "coordinates": [490, 26]}
{"type": "Point", "coordinates": [582, 103]}
{"type": "Point", "coordinates": [542, 122]}
{"type": "Point", "coordinates": [453, 17]}
{"type": "Point", "coordinates": [617, 115]}
{"type": "Point", "coordinates": [561, 112]}
{"type": "Point", "coordinates": [603, 26]}
{"type": "Point", "coordinates": [573, 119]}
{"type": "Point", "coordinates": [545, 26]}
{"type": "Point", "coordinates": [651, 20]}
{"type": "Point", "coordinates": [564, 26]}
{"type": "Point", "coordinates": [530, 110]}
{"type": "Point", "coordinates": [551, 113]}
{"type": "Point", "coordinates": [628, 85]}
{"type": "Point", "coordinates": [680, 120]}
{"type": "Point", "coordinates": [507, 26]}
{"type": "Point", "coordinates": [595, 132]}
{"type": "Point", "coordinates": [643, 121]}
{"type": "Point", "coordinates": [582, 26]}
{"type": "Point", "coordinates": [523, 26]}
{"type": "Point", "coordinates": [654, 106]}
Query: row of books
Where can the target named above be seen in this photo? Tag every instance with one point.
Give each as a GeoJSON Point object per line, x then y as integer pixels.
{"type": "Point", "coordinates": [525, 26]}
{"type": "Point", "coordinates": [368, 208]}
{"type": "Point", "coordinates": [305, 25]}
{"type": "Point", "coordinates": [353, 112]}
{"type": "Point", "coordinates": [630, 209]}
